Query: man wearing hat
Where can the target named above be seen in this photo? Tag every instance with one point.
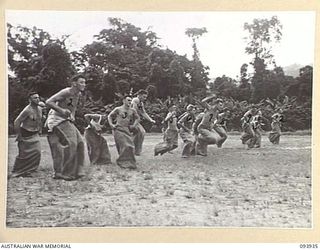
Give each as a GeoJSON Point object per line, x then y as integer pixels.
{"type": "Point", "coordinates": [185, 122]}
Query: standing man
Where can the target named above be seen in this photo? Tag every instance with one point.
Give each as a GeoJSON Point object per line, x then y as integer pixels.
{"type": "Point", "coordinates": [185, 123]}
{"type": "Point", "coordinates": [139, 132]}
{"type": "Point", "coordinates": [123, 117]}
{"type": "Point", "coordinates": [170, 138]}
{"type": "Point", "coordinates": [97, 145]}
{"type": "Point", "coordinates": [206, 135]}
{"type": "Point", "coordinates": [66, 144]}
{"type": "Point", "coordinates": [220, 126]}
{"type": "Point", "coordinates": [248, 136]}
{"type": "Point", "coordinates": [28, 126]}
{"type": "Point", "coordinates": [257, 123]}
{"type": "Point", "coordinates": [274, 135]}
{"type": "Point", "coordinates": [195, 125]}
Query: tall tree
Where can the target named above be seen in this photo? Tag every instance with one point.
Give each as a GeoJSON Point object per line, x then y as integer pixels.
{"type": "Point", "coordinates": [195, 34]}
{"type": "Point", "coordinates": [123, 53]}
{"type": "Point", "coordinates": [301, 87]}
{"type": "Point", "coordinates": [199, 74]}
{"type": "Point", "coordinates": [263, 34]}
{"type": "Point", "coordinates": [244, 88]}
{"type": "Point", "coordinates": [305, 81]}
{"type": "Point", "coordinates": [24, 45]}
{"type": "Point", "coordinates": [38, 61]}
{"type": "Point", "coordinates": [56, 69]}
{"type": "Point", "coordinates": [225, 86]}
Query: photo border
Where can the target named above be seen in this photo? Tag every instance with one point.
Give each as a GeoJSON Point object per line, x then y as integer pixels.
{"type": "Point", "coordinates": [161, 234]}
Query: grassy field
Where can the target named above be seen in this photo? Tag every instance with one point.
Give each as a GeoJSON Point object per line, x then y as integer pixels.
{"type": "Point", "coordinates": [232, 187]}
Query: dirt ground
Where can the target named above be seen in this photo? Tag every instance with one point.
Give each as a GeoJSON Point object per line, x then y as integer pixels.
{"type": "Point", "coordinates": [232, 187]}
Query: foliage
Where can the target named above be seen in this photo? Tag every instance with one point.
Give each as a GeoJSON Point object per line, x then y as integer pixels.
{"type": "Point", "coordinates": [297, 113]}
{"type": "Point", "coordinates": [225, 86]}
{"type": "Point", "coordinates": [199, 73]}
{"type": "Point", "coordinates": [56, 69]}
{"type": "Point", "coordinates": [195, 34]}
{"type": "Point", "coordinates": [302, 86]}
{"type": "Point", "coordinates": [123, 58]}
{"type": "Point", "coordinates": [37, 61]}
{"type": "Point", "coordinates": [16, 102]}
{"type": "Point", "coordinates": [263, 33]}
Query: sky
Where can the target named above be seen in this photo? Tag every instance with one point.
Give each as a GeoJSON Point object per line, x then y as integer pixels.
{"type": "Point", "coordinates": [222, 48]}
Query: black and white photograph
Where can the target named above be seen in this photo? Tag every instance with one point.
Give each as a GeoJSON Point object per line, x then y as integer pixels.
{"type": "Point", "coordinates": [159, 119]}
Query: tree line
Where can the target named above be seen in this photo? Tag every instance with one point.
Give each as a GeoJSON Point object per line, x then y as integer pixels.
{"type": "Point", "coordinates": [123, 58]}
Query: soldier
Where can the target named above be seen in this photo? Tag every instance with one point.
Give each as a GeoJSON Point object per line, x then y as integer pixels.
{"type": "Point", "coordinates": [257, 123]}
{"type": "Point", "coordinates": [97, 145]}
{"type": "Point", "coordinates": [126, 119]}
{"type": "Point", "coordinates": [248, 136]}
{"type": "Point", "coordinates": [65, 140]}
{"type": "Point", "coordinates": [206, 135]}
{"type": "Point", "coordinates": [139, 131]}
{"type": "Point", "coordinates": [220, 126]}
{"type": "Point", "coordinates": [170, 135]}
{"type": "Point", "coordinates": [185, 122]}
{"type": "Point", "coordinates": [28, 126]}
{"type": "Point", "coordinates": [277, 119]}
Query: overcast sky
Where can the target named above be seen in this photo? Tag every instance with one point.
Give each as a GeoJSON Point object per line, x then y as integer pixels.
{"type": "Point", "coordinates": [222, 48]}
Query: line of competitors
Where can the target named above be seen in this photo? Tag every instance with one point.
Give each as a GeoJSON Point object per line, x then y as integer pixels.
{"type": "Point", "coordinates": [68, 147]}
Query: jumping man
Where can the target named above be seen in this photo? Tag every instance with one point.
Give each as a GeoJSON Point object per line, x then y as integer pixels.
{"type": "Point", "coordinates": [248, 136]}
{"type": "Point", "coordinates": [206, 135]}
{"type": "Point", "coordinates": [274, 135]}
{"type": "Point", "coordinates": [220, 126]}
{"type": "Point", "coordinates": [126, 119]}
{"type": "Point", "coordinates": [66, 144]}
{"type": "Point", "coordinates": [257, 123]}
{"type": "Point", "coordinates": [139, 132]}
{"type": "Point", "coordinates": [185, 122]}
{"type": "Point", "coordinates": [97, 145]}
{"type": "Point", "coordinates": [170, 134]}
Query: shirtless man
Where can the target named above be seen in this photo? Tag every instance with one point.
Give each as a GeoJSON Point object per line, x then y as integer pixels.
{"type": "Point", "coordinates": [139, 132]}
{"type": "Point", "coordinates": [220, 126]}
{"type": "Point", "coordinates": [206, 135]}
{"type": "Point", "coordinates": [28, 126]}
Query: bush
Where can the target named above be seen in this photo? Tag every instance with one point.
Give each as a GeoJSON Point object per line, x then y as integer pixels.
{"type": "Point", "coordinates": [297, 116]}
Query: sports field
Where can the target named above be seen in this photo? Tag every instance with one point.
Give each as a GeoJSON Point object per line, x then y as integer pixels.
{"type": "Point", "coordinates": [232, 187]}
